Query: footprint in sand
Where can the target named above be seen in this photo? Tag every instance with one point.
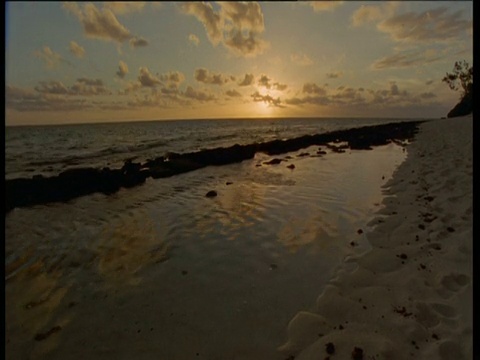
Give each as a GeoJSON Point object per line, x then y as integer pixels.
{"type": "Point", "coordinates": [455, 282]}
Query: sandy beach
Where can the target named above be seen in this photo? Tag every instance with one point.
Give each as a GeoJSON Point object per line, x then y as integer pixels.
{"type": "Point", "coordinates": [410, 296]}
{"type": "Point", "coordinates": [162, 272]}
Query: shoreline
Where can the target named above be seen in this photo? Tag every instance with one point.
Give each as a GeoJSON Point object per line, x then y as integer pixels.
{"type": "Point", "coordinates": [410, 296]}
{"type": "Point", "coordinates": [74, 183]}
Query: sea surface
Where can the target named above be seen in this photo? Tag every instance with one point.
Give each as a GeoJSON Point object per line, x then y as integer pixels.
{"type": "Point", "coordinates": [48, 150]}
{"type": "Point", "coordinates": [161, 271]}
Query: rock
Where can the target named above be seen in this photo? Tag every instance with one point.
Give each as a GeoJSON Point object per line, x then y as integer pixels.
{"type": "Point", "coordinates": [73, 183]}
{"type": "Point", "coordinates": [211, 193]}
{"type": "Point", "coordinates": [228, 183]}
{"type": "Point", "coordinates": [464, 107]}
{"type": "Point", "coordinates": [291, 166]}
{"type": "Point", "coordinates": [330, 348]}
{"type": "Point", "coordinates": [357, 354]}
{"type": "Point", "coordinates": [273, 162]}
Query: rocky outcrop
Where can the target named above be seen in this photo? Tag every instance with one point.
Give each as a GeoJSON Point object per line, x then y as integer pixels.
{"type": "Point", "coordinates": [73, 183]}
{"type": "Point", "coordinates": [464, 107]}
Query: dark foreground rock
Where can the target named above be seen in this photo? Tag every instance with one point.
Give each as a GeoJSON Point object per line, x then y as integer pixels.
{"type": "Point", "coordinates": [73, 183]}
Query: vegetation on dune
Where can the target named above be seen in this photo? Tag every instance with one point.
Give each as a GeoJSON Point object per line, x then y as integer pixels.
{"type": "Point", "coordinates": [461, 79]}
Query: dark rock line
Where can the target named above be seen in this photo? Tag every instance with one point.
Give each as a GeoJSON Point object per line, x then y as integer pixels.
{"type": "Point", "coordinates": [74, 183]}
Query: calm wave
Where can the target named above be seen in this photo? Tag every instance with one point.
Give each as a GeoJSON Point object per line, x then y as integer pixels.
{"type": "Point", "coordinates": [48, 150]}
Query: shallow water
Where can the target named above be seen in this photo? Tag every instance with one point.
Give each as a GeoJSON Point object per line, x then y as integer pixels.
{"type": "Point", "coordinates": [161, 271]}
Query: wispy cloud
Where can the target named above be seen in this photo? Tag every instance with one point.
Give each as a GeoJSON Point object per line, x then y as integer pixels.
{"type": "Point", "coordinates": [122, 69]}
{"type": "Point", "coordinates": [103, 24]}
{"type": "Point", "coordinates": [194, 39]}
{"type": "Point", "coordinates": [100, 24]}
{"type": "Point", "coordinates": [82, 86]}
{"type": "Point", "coordinates": [136, 42]}
{"type": "Point", "coordinates": [328, 5]}
{"type": "Point", "coordinates": [76, 49]}
{"type": "Point", "coordinates": [301, 59]}
{"type": "Point", "coordinates": [406, 59]}
{"type": "Point", "coordinates": [432, 25]}
{"type": "Point", "coordinates": [374, 13]}
{"type": "Point", "coordinates": [438, 24]}
{"type": "Point", "coordinates": [124, 7]}
{"type": "Point", "coordinates": [334, 75]}
{"type": "Point", "coordinates": [50, 57]}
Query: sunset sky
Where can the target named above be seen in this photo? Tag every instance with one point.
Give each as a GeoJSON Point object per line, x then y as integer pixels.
{"type": "Point", "coordinates": [117, 61]}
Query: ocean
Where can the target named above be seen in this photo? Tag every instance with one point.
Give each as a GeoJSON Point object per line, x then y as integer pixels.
{"type": "Point", "coordinates": [160, 270]}
{"type": "Point", "coordinates": [48, 150]}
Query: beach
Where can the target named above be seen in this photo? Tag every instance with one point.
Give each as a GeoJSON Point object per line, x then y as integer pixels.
{"type": "Point", "coordinates": [410, 296]}
{"type": "Point", "coordinates": [381, 238]}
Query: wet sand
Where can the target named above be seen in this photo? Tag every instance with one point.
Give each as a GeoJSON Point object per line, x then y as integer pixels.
{"type": "Point", "coordinates": [161, 271]}
{"type": "Point", "coordinates": [410, 296]}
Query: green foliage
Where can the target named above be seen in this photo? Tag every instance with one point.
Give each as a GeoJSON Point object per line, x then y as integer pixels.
{"type": "Point", "coordinates": [461, 78]}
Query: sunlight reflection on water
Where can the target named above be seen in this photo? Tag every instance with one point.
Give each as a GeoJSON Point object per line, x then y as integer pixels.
{"type": "Point", "coordinates": [265, 246]}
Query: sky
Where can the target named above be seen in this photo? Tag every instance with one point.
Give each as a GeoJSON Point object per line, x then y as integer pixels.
{"type": "Point", "coordinates": [76, 62]}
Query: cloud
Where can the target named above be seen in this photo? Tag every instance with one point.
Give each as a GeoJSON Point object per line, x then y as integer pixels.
{"type": "Point", "coordinates": [211, 20]}
{"type": "Point", "coordinates": [82, 86]}
{"type": "Point", "coordinates": [301, 59]}
{"type": "Point", "coordinates": [257, 97]}
{"type": "Point", "coordinates": [194, 39]}
{"type": "Point", "coordinates": [233, 93]}
{"type": "Point", "coordinates": [335, 75]}
{"type": "Point", "coordinates": [85, 86]}
{"type": "Point", "coordinates": [76, 49]}
{"type": "Point", "coordinates": [25, 100]}
{"type": "Point", "coordinates": [51, 58]}
{"type": "Point", "coordinates": [279, 87]}
{"type": "Point", "coordinates": [245, 23]}
{"type": "Point", "coordinates": [173, 78]}
{"type": "Point", "coordinates": [406, 59]}
{"type": "Point", "coordinates": [312, 100]}
{"type": "Point", "coordinates": [122, 69]}
{"type": "Point", "coordinates": [237, 25]}
{"type": "Point", "coordinates": [247, 80]}
{"type": "Point", "coordinates": [100, 24]}
{"type": "Point", "coordinates": [346, 96]}
{"type": "Point", "coordinates": [264, 81]}
{"type": "Point", "coordinates": [51, 87]}
{"type": "Point", "coordinates": [432, 25]}
{"type": "Point", "coordinates": [329, 5]}
{"type": "Point", "coordinates": [207, 77]}
{"type": "Point", "coordinates": [438, 25]}
{"type": "Point", "coordinates": [136, 42]}
{"type": "Point", "coordinates": [312, 88]}
{"type": "Point", "coordinates": [124, 7]}
{"type": "Point", "coordinates": [199, 95]}
{"type": "Point", "coordinates": [371, 13]}
{"type": "Point", "coordinates": [428, 95]}
{"type": "Point", "coordinates": [147, 79]}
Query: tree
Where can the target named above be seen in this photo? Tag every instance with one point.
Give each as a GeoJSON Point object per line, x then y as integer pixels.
{"type": "Point", "coordinates": [460, 78]}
